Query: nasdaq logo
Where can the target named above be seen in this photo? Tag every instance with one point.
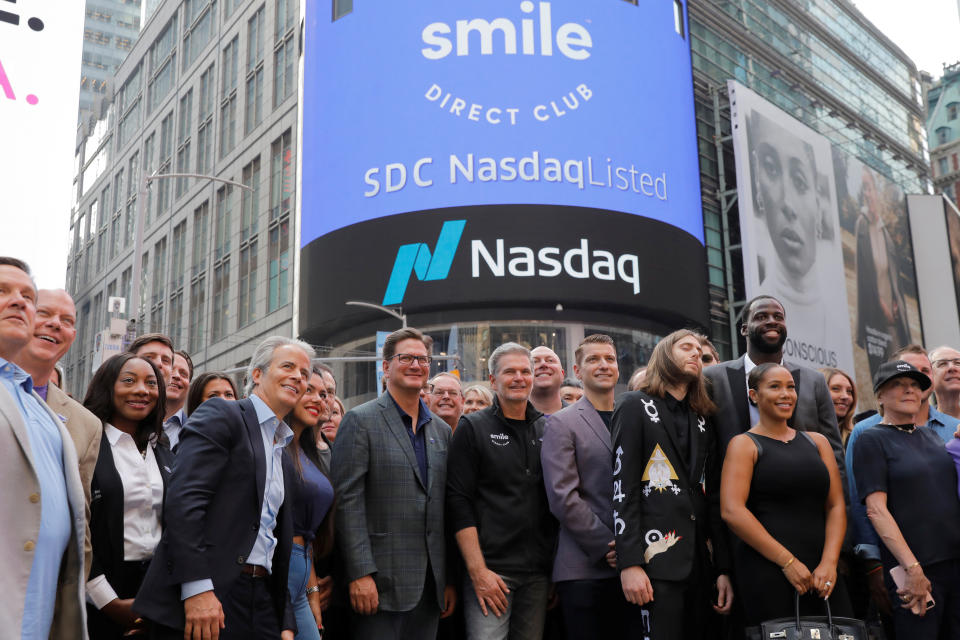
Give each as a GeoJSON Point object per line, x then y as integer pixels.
{"type": "Point", "coordinates": [418, 259]}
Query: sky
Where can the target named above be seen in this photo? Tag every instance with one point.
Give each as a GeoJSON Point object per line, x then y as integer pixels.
{"type": "Point", "coordinates": [928, 31]}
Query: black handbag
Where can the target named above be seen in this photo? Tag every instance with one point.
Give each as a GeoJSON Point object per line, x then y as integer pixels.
{"type": "Point", "coordinates": [809, 627]}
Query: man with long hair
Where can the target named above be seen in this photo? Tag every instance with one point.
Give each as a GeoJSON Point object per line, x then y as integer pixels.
{"type": "Point", "coordinates": [664, 447]}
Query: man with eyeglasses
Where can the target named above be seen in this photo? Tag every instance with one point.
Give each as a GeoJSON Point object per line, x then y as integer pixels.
{"type": "Point", "coordinates": [446, 398]}
{"type": "Point", "coordinates": [389, 470]}
{"type": "Point", "coordinates": [946, 379]}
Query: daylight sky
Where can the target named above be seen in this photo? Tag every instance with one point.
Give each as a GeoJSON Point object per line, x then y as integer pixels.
{"type": "Point", "coordinates": [926, 30]}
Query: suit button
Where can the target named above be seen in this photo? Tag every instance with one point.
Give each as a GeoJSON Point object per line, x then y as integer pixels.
{"type": "Point", "coordinates": [693, 517]}
{"type": "Point", "coordinates": [29, 545]}
{"type": "Point", "coordinates": [241, 559]}
{"type": "Point", "coordinates": [34, 498]}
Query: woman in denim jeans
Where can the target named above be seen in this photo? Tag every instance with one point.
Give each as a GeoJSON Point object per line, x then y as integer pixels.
{"type": "Point", "coordinates": [312, 496]}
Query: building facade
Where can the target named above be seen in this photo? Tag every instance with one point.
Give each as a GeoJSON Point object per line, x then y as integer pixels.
{"type": "Point", "coordinates": [211, 87]}
{"type": "Point", "coordinates": [943, 130]}
{"type": "Point", "coordinates": [109, 31]}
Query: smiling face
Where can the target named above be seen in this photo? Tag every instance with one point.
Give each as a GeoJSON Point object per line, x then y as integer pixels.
{"type": "Point", "coordinates": [786, 179]}
{"type": "Point", "coordinates": [135, 394]}
{"type": "Point", "coordinates": [18, 308]}
{"type": "Point", "coordinates": [218, 388]}
{"type": "Point", "coordinates": [776, 394]}
{"type": "Point", "coordinates": [547, 370]}
{"type": "Point", "coordinates": [841, 392]}
{"type": "Point", "coordinates": [332, 423]}
{"type": "Point", "coordinates": [311, 410]}
{"type": "Point", "coordinates": [407, 377]}
{"type": "Point", "coordinates": [474, 401]}
{"type": "Point", "coordinates": [285, 379]}
{"type": "Point", "coordinates": [54, 329]}
{"type": "Point", "coordinates": [446, 399]}
{"type": "Point", "coordinates": [161, 356]}
{"type": "Point", "coordinates": [179, 381]}
{"type": "Point", "coordinates": [946, 371]}
{"type": "Point", "coordinates": [598, 368]}
{"type": "Point", "coordinates": [514, 378]}
{"type": "Point", "coordinates": [766, 326]}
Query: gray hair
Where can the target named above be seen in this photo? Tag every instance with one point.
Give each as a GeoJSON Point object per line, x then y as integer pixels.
{"type": "Point", "coordinates": [263, 355]}
{"type": "Point", "coordinates": [481, 389]}
{"type": "Point", "coordinates": [444, 374]}
{"type": "Point", "coordinates": [504, 349]}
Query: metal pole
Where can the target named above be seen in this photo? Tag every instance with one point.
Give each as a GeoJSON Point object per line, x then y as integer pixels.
{"type": "Point", "coordinates": [399, 315]}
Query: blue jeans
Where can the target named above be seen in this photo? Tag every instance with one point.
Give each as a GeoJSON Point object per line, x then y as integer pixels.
{"type": "Point", "coordinates": [297, 584]}
{"type": "Point", "coordinates": [526, 609]}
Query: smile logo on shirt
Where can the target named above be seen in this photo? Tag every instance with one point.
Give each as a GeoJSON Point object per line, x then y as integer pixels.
{"type": "Point", "coordinates": [500, 439]}
{"type": "Point", "coordinates": [659, 474]}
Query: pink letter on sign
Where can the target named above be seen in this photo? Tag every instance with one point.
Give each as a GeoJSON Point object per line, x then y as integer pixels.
{"type": "Point", "coordinates": [5, 84]}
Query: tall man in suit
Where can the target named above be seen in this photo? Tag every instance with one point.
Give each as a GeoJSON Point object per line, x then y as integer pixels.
{"type": "Point", "coordinates": [389, 471]}
{"type": "Point", "coordinates": [42, 506]}
{"type": "Point", "coordinates": [220, 569]}
{"type": "Point", "coordinates": [53, 333]}
{"type": "Point", "coordinates": [664, 448]}
{"type": "Point", "coordinates": [577, 462]}
{"type": "Point", "coordinates": [763, 322]}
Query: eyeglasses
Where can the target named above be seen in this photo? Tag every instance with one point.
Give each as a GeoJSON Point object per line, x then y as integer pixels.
{"type": "Point", "coordinates": [946, 362]}
{"type": "Point", "coordinates": [408, 358]}
{"type": "Point", "coordinates": [445, 392]}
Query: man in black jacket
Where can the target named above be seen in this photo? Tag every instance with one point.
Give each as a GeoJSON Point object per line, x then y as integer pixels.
{"type": "Point", "coordinates": [664, 447]}
{"type": "Point", "coordinates": [497, 506]}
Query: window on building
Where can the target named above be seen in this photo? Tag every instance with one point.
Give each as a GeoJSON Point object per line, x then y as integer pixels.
{"type": "Point", "coordinates": [183, 139]}
{"type": "Point", "coordinates": [198, 314]}
{"type": "Point", "coordinates": [284, 50]}
{"type": "Point", "coordinates": [133, 184]}
{"type": "Point", "coordinates": [247, 295]}
{"type": "Point", "coordinates": [228, 103]}
{"type": "Point", "coordinates": [953, 160]}
{"type": "Point", "coordinates": [943, 135]}
{"type": "Point", "coordinates": [221, 301]}
{"type": "Point", "coordinates": [126, 281]}
{"type": "Point", "coordinates": [198, 28]}
{"type": "Point", "coordinates": [178, 255]}
{"type": "Point", "coordinates": [952, 110]}
{"type": "Point", "coordinates": [149, 152]}
{"type": "Point", "coordinates": [129, 106]}
{"type": "Point", "coordinates": [253, 103]}
{"type": "Point", "coordinates": [141, 309]}
{"type": "Point", "coordinates": [205, 122]}
{"type": "Point", "coordinates": [282, 176]}
{"type": "Point", "coordinates": [158, 286]}
{"type": "Point", "coordinates": [224, 213]}
{"type": "Point", "coordinates": [201, 236]}
{"type": "Point", "coordinates": [250, 200]}
{"type": "Point", "coordinates": [166, 163]}
{"type": "Point", "coordinates": [278, 293]}
{"type": "Point", "coordinates": [175, 317]}
{"type": "Point", "coordinates": [162, 58]}
{"type": "Point", "coordinates": [229, 6]}
{"type": "Point", "coordinates": [942, 166]}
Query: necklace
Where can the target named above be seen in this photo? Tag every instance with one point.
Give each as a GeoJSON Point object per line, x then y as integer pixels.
{"type": "Point", "coordinates": [906, 428]}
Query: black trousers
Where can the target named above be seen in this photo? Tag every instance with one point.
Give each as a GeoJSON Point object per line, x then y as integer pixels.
{"type": "Point", "coordinates": [597, 609]}
{"type": "Point", "coordinates": [248, 612]}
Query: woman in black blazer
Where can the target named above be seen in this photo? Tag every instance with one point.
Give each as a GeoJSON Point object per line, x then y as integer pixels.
{"type": "Point", "coordinates": [127, 393]}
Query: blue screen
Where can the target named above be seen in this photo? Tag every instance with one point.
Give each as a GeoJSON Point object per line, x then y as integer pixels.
{"type": "Point", "coordinates": [419, 105]}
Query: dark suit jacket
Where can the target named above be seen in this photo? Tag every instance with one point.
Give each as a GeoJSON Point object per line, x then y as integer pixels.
{"type": "Point", "coordinates": [814, 410]}
{"type": "Point", "coordinates": [212, 513]}
{"type": "Point", "coordinates": [389, 519]}
{"type": "Point", "coordinates": [663, 517]}
{"type": "Point", "coordinates": [577, 462]}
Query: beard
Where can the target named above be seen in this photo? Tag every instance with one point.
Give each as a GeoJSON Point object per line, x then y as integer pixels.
{"type": "Point", "coordinates": [760, 343]}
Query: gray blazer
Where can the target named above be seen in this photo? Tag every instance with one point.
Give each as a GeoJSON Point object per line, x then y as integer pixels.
{"type": "Point", "coordinates": [20, 511]}
{"type": "Point", "coordinates": [814, 410]}
{"type": "Point", "coordinates": [390, 520]}
{"type": "Point", "coordinates": [577, 465]}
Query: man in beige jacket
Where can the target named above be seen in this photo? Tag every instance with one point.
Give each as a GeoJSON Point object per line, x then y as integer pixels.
{"type": "Point", "coordinates": [53, 333]}
{"type": "Point", "coordinates": [42, 504]}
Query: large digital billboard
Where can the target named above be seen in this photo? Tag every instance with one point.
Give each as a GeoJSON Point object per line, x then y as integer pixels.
{"type": "Point", "coordinates": [425, 106]}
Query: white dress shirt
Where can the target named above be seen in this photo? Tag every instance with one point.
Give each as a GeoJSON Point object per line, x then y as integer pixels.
{"type": "Point", "coordinates": [142, 505]}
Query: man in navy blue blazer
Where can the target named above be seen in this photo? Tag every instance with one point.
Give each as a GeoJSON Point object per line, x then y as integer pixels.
{"type": "Point", "coordinates": [220, 570]}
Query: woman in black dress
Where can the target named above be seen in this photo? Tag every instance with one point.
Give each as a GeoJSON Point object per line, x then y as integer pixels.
{"type": "Point", "coordinates": [780, 493]}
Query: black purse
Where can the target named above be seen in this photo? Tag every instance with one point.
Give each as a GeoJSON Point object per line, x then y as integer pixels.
{"type": "Point", "coordinates": [809, 627]}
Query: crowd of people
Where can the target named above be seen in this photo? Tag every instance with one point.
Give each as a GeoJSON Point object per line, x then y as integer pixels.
{"type": "Point", "coordinates": [708, 498]}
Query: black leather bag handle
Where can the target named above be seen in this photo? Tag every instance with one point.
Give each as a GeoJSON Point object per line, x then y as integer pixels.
{"type": "Point", "coordinates": [826, 603]}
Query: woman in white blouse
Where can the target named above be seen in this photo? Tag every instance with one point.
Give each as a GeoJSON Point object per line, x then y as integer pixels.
{"type": "Point", "coordinates": [127, 394]}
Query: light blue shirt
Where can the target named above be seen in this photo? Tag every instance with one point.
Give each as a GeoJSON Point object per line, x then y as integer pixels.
{"type": "Point", "coordinates": [865, 540]}
{"type": "Point", "coordinates": [276, 435]}
{"type": "Point", "coordinates": [172, 427]}
{"type": "Point", "coordinates": [46, 447]}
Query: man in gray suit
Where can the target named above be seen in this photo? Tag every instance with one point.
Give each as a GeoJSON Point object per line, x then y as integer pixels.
{"type": "Point", "coordinates": [389, 470]}
{"type": "Point", "coordinates": [577, 462]}
{"type": "Point", "coordinates": [42, 506]}
{"type": "Point", "coordinates": [763, 323]}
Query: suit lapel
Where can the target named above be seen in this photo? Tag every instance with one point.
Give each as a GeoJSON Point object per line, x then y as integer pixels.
{"type": "Point", "coordinates": [391, 416]}
{"type": "Point", "coordinates": [698, 447]}
{"type": "Point", "coordinates": [9, 410]}
{"type": "Point", "coordinates": [737, 378]}
{"type": "Point", "coordinates": [256, 443]}
{"type": "Point", "coordinates": [594, 421]}
{"type": "Point", "coordinates": [111, 492]}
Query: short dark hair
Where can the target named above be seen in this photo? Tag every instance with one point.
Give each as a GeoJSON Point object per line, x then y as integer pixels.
{"type": "Point", "coordinates": [99, 398]}
{"type": "Point", "coordinates": [758, 372]}
{"type": "Point", "coordinates": [147, 338]}
{"type": "Point", "coordinates": [398, 336]}
{"type": "Point", "coordinates": [17, 263]}
{"type": "Point", "coordinates": [195, 394]}
{"type": "Point", "coordinates": [571, 382]}
{"type": "Point", "coordinates": [744, 314]}
{"type": "Point", "coordinates": [595, 338]}
{"type": "Point", "coordinates": [186, 356]}
{"type": "Point", "coordinates": [910, 348]}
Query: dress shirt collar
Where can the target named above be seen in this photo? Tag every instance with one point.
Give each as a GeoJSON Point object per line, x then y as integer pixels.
{"type": "Point", "coordinates": [423, 415]}
{"type": "Point", "coordinates": [18, 375]}
{"type": "Point", "coordinates": [276, 428]}
{"type": "Point", "coordinates": [749, 365]}
{"type": "Point", "coordinates": [938, 417]}
{"type": "Point", "coordinates": [113, 434]}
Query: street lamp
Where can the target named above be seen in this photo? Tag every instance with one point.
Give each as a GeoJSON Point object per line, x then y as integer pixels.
{"type": "Point", "coordinates": [399, 315]}
{"type": "Point", "coordinates": [141, 207]}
